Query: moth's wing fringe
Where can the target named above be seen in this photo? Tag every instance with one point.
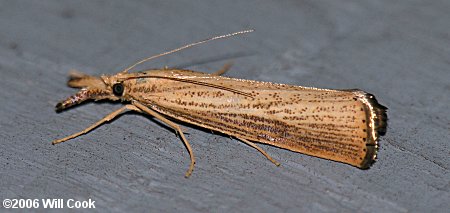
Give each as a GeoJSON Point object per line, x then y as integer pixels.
{"type": "Point", "coordinates": [380, 126]}
{"type": "Point", "coordinates": [380, 112]}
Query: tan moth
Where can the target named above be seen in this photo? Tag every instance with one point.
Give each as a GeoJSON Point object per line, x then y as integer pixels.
{"type": "Point", "coordinates": [339, 125]}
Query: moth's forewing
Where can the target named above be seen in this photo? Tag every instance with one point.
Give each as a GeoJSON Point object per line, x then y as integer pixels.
{"type": "Point", "coordinates": [340, 125]}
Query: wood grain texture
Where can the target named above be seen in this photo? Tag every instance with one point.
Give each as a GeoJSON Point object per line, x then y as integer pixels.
{"type": "Point", "coordinates": [340, 125]}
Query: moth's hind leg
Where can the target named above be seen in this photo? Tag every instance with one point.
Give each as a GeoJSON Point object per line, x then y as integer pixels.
{"type": "Point", "coordinates": [141, 107]}
{"type": "Point", "coordinates": [224, 69]}
{"type": "Point", "coordinates": [260, 150]}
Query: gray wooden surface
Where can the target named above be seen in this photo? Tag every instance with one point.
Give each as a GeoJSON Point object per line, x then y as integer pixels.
{"type": "Point", "coordinates": [398, 50]}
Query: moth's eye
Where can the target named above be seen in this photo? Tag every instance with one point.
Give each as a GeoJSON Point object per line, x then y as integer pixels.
{"type": "Point", "coordinates": [118, 89]}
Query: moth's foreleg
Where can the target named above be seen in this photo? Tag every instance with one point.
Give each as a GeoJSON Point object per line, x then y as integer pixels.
{"type": "Point", "coordinates": [224, 69]}
{"type": "Point", "coordinates": [260, 150]}
{"type": "Point", "coordinates": [175, 126]}
{"type": "Point", "coordinates": [98, 123]}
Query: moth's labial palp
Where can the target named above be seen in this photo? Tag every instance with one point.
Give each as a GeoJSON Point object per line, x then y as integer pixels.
{"type": "Point", "coordinates": [72, 100]}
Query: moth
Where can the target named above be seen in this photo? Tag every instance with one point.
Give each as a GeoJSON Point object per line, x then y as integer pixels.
{"type": "Point", "coordinates": [339, 125]}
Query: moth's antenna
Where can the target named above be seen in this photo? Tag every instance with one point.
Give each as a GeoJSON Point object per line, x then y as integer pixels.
{"type": "Point", "coordinates": [185, 47]}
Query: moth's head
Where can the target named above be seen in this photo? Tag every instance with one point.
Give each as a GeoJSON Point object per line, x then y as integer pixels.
{"type": "Point", "coordinates": [91, 88]}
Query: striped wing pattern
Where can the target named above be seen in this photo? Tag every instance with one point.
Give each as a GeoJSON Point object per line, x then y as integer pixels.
{"type": "Point", "coordinates": [340, 125]}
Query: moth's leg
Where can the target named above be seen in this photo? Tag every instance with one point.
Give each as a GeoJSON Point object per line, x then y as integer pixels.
{"type": "Point", "coordinates": [98, 123]}
{"type": "Point", "coordinates": [224, 69]}
{"type": "Point", "coordinates": [174, 126]}
{"type": "Point", "coordinates": [132, 107]}
{"type": "Point", "coordinates": [260, 150]}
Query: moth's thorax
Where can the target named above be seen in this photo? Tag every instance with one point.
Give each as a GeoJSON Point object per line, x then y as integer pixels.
{"type": "Point", "coordinates": [111, 79]}
{"type": "Point", "coordinates": [139, 88]}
